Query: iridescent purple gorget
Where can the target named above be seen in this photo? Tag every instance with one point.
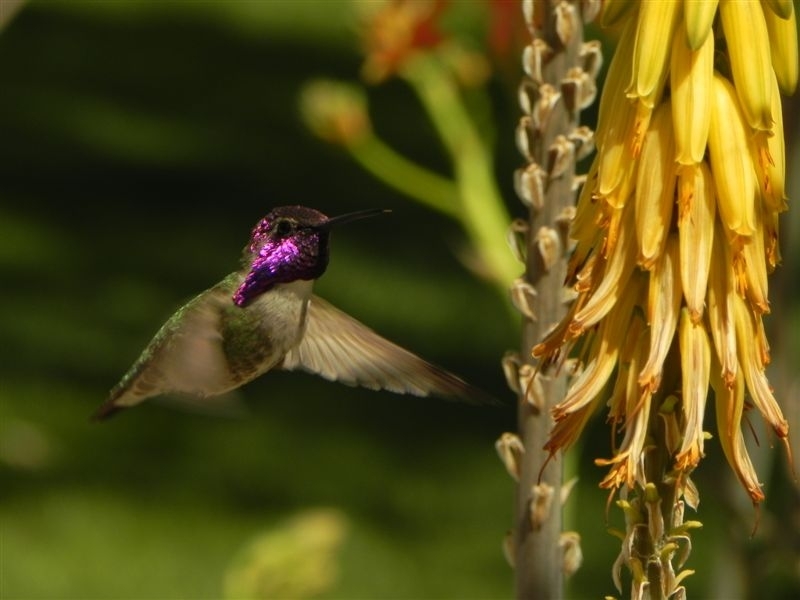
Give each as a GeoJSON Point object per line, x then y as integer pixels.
{"type": "Point", "coordinates": [290, 243]}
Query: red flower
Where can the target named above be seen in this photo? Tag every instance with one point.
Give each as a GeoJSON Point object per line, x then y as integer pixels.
{"type": "Point", "coordinates": [400, 29]}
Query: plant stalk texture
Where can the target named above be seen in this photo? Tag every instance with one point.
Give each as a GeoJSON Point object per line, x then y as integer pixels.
{"type": "Point", "coordinates": [556, 86]}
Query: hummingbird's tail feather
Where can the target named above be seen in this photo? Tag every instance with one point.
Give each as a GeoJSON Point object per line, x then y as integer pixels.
{"type": "Point", "coordinates": [128, 392]}
{"type": "Point", "coordinates": [134, 388]}
{"type": "Point", "coordinates": [339, 348]}
{"type": "Point", "coordinates": [107, 410]}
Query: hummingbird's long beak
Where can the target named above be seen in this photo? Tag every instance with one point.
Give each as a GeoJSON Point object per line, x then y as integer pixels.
{"type": "Point", "coordinates": [353, 216]}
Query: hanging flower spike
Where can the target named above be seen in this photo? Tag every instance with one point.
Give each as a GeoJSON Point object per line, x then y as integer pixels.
{"type": "Point", "coordinates": [682, 201]}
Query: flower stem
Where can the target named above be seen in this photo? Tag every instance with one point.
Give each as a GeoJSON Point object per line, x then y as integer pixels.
{"type": "Point", "coordinates": [432, 190]}
{"type": "Point", "coordinates": [481, 211]}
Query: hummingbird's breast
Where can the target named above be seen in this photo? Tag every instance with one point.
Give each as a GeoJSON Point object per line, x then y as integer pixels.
{"type": "Point", "coordinates": [257, 337]}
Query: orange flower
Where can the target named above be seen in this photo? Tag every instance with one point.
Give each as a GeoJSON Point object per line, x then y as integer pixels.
{"type": "Point", "coordinates": [396, 32]}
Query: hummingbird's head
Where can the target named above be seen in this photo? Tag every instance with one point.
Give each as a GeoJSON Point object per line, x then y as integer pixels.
{"type": "Point", "coordinates": [290, 243]}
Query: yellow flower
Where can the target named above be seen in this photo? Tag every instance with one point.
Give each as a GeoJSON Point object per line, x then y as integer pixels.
{"type": "Point", "coordinates": [675, 232]}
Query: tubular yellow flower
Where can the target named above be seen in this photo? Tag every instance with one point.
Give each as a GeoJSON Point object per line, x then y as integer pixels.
{"type": "Point", "coordinates": [631, 406]}
{"type": "Point", "coordinates": [720, 310]}
{"type": "Point", "coordinates": [617, 152]}
{"type": "Point", "coordinates": [584, 222]}
{"type": "Point", "coordinates": [768, 153]}
{"type": "Point", "coordinates": [655, 187]}
{"type": "Point", "coordinates": [731, 165]}
{"type": "Point", "coordinates": [748, 48]}
{"type": "Point", "coordinates": [696, 212]}
{"type": "Point", "coordinates": [771, 240]}
{"type": "Point", "coordinates": [630, 359]}
{"type": "Point", "coordinates": [783, 49]}
{"type": "Point", "coordinates": [657, 20]}
{"type": "Point", "coordinates": [663, 309]}
{"type": "Point", "coordinates": [618, 76]}
{"type": "Point", "coordinates": [691, 77]}
{"type": "Point", "coordinates": [699, 17]}
{"type": "Point", "coordinates": [571, 414]}
{"type": "Point", "coordinates": [696, 368]}
{"type": "Point", "coordinates": [729, 405]}
{"type": "Point", "coordinates": [747, 329]}
{"type": "Point", "coordinates": [588, 384]}
{"type": "Point", "coordinates": [612, 284]}
{"type": "Point", "coordinates": [782, 8]}
{"type": "Point", "coordinates": [618, 130]}
{"type": "Point", "coordinates": [614, 129]}
{"type": "Point", "coordinates": [751, 268]}
{"type": "Point", "coordinates": [672, 132]}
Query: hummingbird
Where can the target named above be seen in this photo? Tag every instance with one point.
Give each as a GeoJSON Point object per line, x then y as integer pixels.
{"type": "Point", "coordinates": [264, 316]}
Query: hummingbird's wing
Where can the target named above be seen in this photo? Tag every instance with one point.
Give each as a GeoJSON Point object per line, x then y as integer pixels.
{"type": "Point", "coordinates": [186, 356]}
{"type": "Point", "coordinates": [339, 348]}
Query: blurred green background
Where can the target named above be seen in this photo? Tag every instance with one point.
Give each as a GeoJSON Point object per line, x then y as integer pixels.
{"type": "Point", "coordinates": [139, 143]}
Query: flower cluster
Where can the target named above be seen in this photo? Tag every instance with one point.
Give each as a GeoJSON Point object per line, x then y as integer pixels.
{"type": "Point", "coordinates": [398, 30]}
{"type": "Point", "coordinates": [675, 232]}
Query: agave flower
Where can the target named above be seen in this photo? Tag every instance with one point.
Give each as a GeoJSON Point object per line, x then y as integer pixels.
{"type": "Point", "coordinates": [675, 232]}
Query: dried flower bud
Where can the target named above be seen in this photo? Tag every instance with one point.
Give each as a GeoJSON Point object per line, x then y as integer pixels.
{"type": "Point", "coordinates": [523, 297]}
{"type": "Point", "coordinates": [570, 544]}
{"type": "Point", "coordinates": [510, 450]}
{"type": "Point", "coordinates": [548, 242]}
{"type": "Point", "coordinates": [534, 57]}
{"type": "Point", "coordinates": [517, 238]}
{"type": "Point", "coordinates": [541, 504]}
{"type": "Point", "coordinates": [511, 363]}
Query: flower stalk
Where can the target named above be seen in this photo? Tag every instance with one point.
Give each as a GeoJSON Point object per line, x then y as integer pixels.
{"type": "Point", "coordinates": [481, 209]}
{"type": "Point", "coordinates": [559, 82]}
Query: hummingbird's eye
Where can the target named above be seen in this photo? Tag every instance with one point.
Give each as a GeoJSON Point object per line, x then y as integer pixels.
{"type": "Point", "coordinates": [283, 227]}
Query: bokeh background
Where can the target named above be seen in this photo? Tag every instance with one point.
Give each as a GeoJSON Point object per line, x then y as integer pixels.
{"type": "Point", "coordinates": [139, 143]}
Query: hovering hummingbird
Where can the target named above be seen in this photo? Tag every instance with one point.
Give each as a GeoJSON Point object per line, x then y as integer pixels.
{"type": "Point", "coordinates": [264, 316]}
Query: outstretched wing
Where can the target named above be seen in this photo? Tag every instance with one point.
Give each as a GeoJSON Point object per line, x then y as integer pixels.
{"type": "Point", "coordinates": [339, 348]}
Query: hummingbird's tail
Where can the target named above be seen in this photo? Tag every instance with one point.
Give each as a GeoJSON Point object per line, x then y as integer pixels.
{"type": "Point", "coordinates": [106, 411]}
